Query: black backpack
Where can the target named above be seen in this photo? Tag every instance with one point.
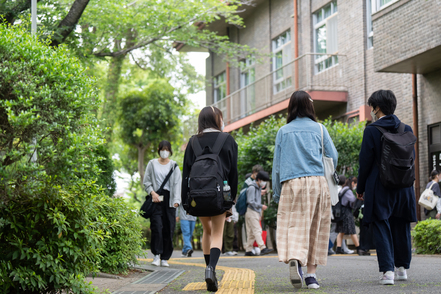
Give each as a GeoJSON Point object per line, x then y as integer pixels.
{"type": "Point", "coordinates": [205, 183]}
{"type": "Point", "coordinates": [337, 209]}
{"type": "Point", "coordinates": [397, 164]}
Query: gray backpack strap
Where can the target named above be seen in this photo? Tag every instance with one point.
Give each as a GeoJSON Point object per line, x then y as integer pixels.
{"type": "Point", "coordinates": [219, 143]}
{"type": "Point", "coordinates": [401, 128]}
{"type": "Point", "coordinates": [196, 145]}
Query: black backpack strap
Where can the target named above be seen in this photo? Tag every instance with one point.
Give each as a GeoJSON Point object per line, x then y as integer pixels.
{"type": "Point", "coordinates": [168, 177]}
{"type": "Point", "coordinates": [401, 128]}
{"type": "Point", "coordinates": [196, 145]}
{"type": "Point", "coordinates": [382, 130]}
{"type": "Point", "coordinates": [219, 142]}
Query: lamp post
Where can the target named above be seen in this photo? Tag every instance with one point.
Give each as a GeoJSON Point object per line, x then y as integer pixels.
{"type": "Point", "coordinates": [34, 32]}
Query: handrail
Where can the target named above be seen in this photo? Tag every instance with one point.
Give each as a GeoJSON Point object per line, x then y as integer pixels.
{"type": "Point", "coordinates": [272, 72]}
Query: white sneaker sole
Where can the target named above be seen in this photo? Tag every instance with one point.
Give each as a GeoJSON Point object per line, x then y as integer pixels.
{"type": "Point", "coordinates": [294, 275]}
{"type": "Point", "coordinates": [402, 278]}
{"type": "Point", "coordinates": [155, 263]}
{"type": "Point", "coordinates": [386, 282]}
{"type": "Point", "coordinates": [313, 286]}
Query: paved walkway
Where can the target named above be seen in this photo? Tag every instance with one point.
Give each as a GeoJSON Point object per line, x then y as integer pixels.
{"type": "Point", "coordinates": [265, 274]}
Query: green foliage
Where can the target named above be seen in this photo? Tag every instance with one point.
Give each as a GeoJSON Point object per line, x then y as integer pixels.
{"type": "Point", "coordinates": [427, 237]}
{"type": "Point", "coordinates": [54, 219]}
{"type": "Point", "coordinates": [257, 147]}
{"type": "Point", "coordinates": [124, 241]}
{"type": "Point", "coordinates": [347, 140]}
{"type": "Point", "coordinates": [105, 177]}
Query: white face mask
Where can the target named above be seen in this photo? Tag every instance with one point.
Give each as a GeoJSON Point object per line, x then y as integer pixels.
{"type": "Point", "coordinates": [164, 154]}
{"type": "Point", "coordinates": [223, 126]}
{"type": "Point", "coordinates": [374, 116]}
{"type": "Point", "coordinates": [262, 184]}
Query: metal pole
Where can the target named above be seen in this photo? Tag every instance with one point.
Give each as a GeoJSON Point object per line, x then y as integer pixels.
{"type": "Point", "coordinates": [34, 32]}
{"type": "Point", "coordinates": [416, 133]}
{"type": "Point", "coordinates": [34, 17]}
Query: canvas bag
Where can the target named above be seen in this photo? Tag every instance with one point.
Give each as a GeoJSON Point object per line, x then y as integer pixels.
{"type": "Point", "coordinates": [330, 174]}
{"type": "Point", "coordinates": [428, 200]}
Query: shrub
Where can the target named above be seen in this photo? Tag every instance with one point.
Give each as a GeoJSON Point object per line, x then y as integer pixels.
{"type": "Point", "coordinates": [54, 219]}
{"type": "Point", "coordinates": [105, 178]}
{"type": "Point", "coordinates": [124, 240]}
{"type": "Point", "coordinates": [427, 237]}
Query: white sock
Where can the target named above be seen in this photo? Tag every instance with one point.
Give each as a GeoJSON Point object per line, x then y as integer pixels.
{"type": "Point", "coordinates": [310, 276]}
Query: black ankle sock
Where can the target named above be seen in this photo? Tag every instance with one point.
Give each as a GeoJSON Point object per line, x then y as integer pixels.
{"type": "Point", "coordinates": [207, 259]}
{"type": "Point", "coordinates": [214, 257]}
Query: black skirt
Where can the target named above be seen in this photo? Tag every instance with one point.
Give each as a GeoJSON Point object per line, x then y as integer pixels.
{"type": "Point", "coordinates": [347, 225]}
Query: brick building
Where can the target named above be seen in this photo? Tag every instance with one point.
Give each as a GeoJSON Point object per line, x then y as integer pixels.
{"type": "Point", "coordinates": [340, 52]}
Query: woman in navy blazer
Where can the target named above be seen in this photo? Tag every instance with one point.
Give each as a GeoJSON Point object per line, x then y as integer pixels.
{"type": "Point", "coordinates": [389, 211]}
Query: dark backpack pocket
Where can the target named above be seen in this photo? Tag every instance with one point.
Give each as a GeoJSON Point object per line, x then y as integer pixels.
{"type": "Point", "coordinates": [205, 203]}
{"type": "Point", "coordinates": [400, 175]}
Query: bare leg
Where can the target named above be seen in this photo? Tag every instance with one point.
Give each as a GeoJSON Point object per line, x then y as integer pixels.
{"type": "Point", "coordinates": [355, 240]}
{"type": "Point", "coordinates": [217, 230]}
{"type": "Point", "coordinates": [311, 268]}
{"type": "Point", "coordinates": [206, 234]}
{"type": "Point", "coordinates": [340, 239]}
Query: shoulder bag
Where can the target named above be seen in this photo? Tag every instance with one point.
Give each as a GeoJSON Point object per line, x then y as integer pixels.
{"type": "Point", "coordinates": [428, 200]}
{"type": "Point", "coordinates": [330, 173]}
{"type": "Point", "coordinates": [146, 209]}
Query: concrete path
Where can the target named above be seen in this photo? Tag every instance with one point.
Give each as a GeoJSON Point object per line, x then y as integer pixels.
{"type": "Point", "coordinates": [343, 274]}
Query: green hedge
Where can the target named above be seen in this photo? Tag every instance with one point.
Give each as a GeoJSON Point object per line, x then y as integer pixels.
{"type": "Point", "coordinates": [427, 237]}
{"type": "Point", "coordinates": [56, 223]}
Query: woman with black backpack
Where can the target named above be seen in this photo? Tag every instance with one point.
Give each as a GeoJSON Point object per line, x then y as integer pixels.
{"type": "Point", "coordinates": [347, 225]}
{"type": "Point", "coordinates": [210, 165]}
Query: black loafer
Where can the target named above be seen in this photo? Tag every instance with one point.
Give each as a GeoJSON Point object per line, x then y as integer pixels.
{"type": "Point", "coordinates": [210, 279]}
{"type": "Point", "coordinates": [265, 251]}
{"type": "Point", "coordinates": [249, 253]}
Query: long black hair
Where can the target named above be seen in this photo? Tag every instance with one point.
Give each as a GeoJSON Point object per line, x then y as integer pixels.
{"type": "Point", "coordinates": [209, 117]}
{"type": "Point", "coordinates": [300, 105]}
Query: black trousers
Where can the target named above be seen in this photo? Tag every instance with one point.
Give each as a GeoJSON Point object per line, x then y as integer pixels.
{"type": "Point", "coordinates": [162, 226]}
{"type": "Point", "coordinates": [393, 243]}
{"type": "Point", "coordinates": [366, 237]}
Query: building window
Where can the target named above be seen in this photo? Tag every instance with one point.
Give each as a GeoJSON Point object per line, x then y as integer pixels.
{"type": "Point", "coordinates": [377, 5]}
{"type": "Point", "coordinates": [247, 94]}
{"type": "Point", "coordinates": [370, 31]}
{"type": "Point", "coordinates": [325, 36]}
{"type": "Point", "coordinates": [282, 56]}
{"type": "Point", "coordinates": [220, 87]}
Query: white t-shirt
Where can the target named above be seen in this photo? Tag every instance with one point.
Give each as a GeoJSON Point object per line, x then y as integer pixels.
{"type": "Point", "coordinates": [161, 171]}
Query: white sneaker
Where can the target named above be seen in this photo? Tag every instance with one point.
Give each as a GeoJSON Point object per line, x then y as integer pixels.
{"type": "Point", "coordinates": [156, 260]}
{"type": "Point", "coordinates": [234, 253]}
{"type": "Point", "coordinates": [401, 274]}
{"type": "Point", "coordinates": [164, 263]}
{"type": "Point", "coordinates": [230, 253]}
{"type": "Point", "coordinates": [349, 251]}
{"type": "Point", "coordinates": [387, 278]}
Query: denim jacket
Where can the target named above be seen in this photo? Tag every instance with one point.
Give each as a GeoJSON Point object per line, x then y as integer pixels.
{"type": "Point", "coordinates": [298, 152]}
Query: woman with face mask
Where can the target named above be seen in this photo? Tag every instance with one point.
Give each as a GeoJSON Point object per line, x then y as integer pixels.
{"type": "Point", "coordinates": [165, 201]}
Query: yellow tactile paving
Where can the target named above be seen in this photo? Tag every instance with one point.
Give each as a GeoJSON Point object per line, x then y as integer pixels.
{"type": "Point", "coordinates": [234, 280]}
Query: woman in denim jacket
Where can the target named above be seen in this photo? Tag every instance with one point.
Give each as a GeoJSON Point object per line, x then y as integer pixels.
{"type": "Point", "coordinates": [304, 215]}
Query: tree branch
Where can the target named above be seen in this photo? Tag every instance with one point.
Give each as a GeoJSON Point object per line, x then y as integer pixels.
{"type": "Point", "coordinates": [68, 24]}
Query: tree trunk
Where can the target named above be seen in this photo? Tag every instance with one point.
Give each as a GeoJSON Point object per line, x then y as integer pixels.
{"type": "Point", "coordinates": [111, 92]}
{"type": "Point", "coordinates": [141, 151]}
{"type": "Point", "coordinates": [68, 24]}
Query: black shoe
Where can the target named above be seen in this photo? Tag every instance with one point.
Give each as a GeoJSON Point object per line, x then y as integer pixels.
{"type": "Point", "coordinates": [340, 251]}
{"type": "Point", "coordinates": [330, 252]}
{"type": "Point", "coordinates": [210, 279]}
{"type": "Point", "coordinates": [266, 251]}
{"type": "Point", "coordinates": [362, 252]}
{"type": "Point", "coordinates": [189, 252]}
{"type": "Point", "coordinates": [249, 253]}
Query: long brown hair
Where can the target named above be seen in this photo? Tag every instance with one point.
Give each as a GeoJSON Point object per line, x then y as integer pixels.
{"type": "Point", "coordinates": [209, 117]}
{"type": "Point", "coordinates": [300, 105]}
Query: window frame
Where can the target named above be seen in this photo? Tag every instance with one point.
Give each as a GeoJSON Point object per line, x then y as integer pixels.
{"type": "Point", "coordinates": [275, 50]}
{"type": "Point", "coordinates": [369, 26]}
{"type": "Point", "coordinates": [217, 86]}
{"type": "Point", "coordinates": [321, 60]}
{"type": "Point", "coordinates": [376, 6]}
